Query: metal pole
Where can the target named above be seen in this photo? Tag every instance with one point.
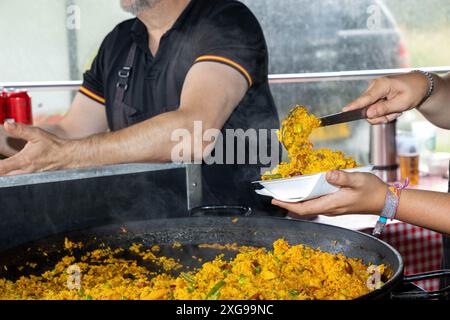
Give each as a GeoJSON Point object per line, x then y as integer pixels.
{"type": "Point", "coordinates": [273, 79]}
{"type": "Point", "coordinates": [72, 45]}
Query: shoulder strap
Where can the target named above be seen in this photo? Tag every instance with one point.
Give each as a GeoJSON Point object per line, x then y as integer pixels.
{"type": "Point", "coordinates": [124, 75]}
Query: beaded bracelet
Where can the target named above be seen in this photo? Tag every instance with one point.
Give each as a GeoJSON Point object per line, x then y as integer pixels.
{"type": "Point", "coordinates": [390, 206]}
{"type": "Point", "coordinates": [431, 84]}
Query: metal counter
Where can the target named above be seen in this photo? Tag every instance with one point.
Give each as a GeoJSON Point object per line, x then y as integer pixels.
{"type": "Point", "coordinates": [37, 205]}
{"type": "Point", "coordinates": [76, 174]}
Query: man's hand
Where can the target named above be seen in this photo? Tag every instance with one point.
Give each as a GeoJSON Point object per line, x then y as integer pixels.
{"type": "Point", "coordinates": [42, 152]}
{"type": "Point", "coordinates": [9, 146]}
{"type": "Point", "coordinates": [389, 97]}
{"type": "Point", "coordinates": [359, 193]}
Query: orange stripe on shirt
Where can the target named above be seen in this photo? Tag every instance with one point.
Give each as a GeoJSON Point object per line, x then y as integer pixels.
{"type": "Point", "coordinates": [92, 95]}
{"type": "Point", "coordinates": [230, 63]}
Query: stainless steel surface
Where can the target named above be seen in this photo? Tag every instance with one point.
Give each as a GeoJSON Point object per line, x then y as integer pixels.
{"type": "Point", "coordinates": [43, 85]}
{"type": "Point", "coordinates": [77, 174]}
{"type": "Point", "coordinates": [194, 186]}
{"type": "Point", "coordinates": [383, 151]}
{"type": "Point", "coordinates": [274, 78]}
{"type": "Point", "coordinates": [343, 117]}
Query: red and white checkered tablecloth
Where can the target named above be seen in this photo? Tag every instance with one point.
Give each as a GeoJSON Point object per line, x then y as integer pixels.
{"type": "Point", "coordinates": [420, 248]}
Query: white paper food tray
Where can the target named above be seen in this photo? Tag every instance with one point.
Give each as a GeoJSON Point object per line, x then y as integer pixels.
{"type": "Point", "coordinates": [301, 188]}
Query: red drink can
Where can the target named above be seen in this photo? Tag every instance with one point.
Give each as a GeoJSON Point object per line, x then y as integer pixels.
{"type": "Point", "coordinates": [19, 107]}
{"type": "Point", "coordinates": [2, 107]}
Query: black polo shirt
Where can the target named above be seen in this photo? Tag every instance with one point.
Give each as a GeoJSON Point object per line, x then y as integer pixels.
{"type": "Point", "coordinates": [222, 31]}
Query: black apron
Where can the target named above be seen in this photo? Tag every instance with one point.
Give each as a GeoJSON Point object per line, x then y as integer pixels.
{"type": "Point", "coordinates": [125, 115]}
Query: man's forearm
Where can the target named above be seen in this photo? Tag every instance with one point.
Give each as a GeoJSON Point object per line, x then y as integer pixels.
{"type": "Point", "coordinates": [149, 141]}
{"type": "Point", "coordinates": [425, 208]}
{"type": "Point", "coordinates": [55, 129]}
{"type": "Point", "coordinates": [437, 108]}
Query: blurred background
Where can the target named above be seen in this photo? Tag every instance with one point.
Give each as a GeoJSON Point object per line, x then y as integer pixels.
{"type": "Point", "coordinates": [56, 40]}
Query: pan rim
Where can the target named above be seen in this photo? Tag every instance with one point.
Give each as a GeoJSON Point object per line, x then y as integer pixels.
{"type": "Point", "coordinates": [390, 284]}
{"type": "Point", "coordinates": [387, 287]}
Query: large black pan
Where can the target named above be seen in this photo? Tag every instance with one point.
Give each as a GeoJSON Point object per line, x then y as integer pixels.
{"type": "Point", "coordinates": [246, 231]}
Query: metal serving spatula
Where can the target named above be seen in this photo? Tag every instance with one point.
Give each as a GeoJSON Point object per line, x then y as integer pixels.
{"type": "Point", "coordinates": [343, 117]}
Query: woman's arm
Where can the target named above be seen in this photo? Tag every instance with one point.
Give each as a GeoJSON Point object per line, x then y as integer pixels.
{"type": "Point", "coordinates": [366, 193]}
{"type": "Point", "coordinates": [388, 97]}
{"type": "Point", "coordinates": [437, 108]}
{"type": "Point", "coordinates": [425, 208]}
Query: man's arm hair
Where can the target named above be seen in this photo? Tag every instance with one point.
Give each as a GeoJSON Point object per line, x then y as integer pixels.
{"type": "Point", "coordinates": [84, 118]}
{"type": "Point", "coordinates": [210, 94]}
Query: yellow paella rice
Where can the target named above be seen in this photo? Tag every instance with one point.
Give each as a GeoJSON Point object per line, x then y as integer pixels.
{"type": "Point", "coordinates": [303, 159]}
{"type": "Point", "coordinates": [226, 247]}
{"type": "Point", "coordinates": [287, 272]}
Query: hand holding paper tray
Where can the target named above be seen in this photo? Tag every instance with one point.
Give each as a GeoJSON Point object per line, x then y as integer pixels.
{"type": "Point", "coordinates": [301, 188]}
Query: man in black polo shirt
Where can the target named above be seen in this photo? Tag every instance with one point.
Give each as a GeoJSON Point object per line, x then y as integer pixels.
{"type": "Point", "coordinates": [178, 62]}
